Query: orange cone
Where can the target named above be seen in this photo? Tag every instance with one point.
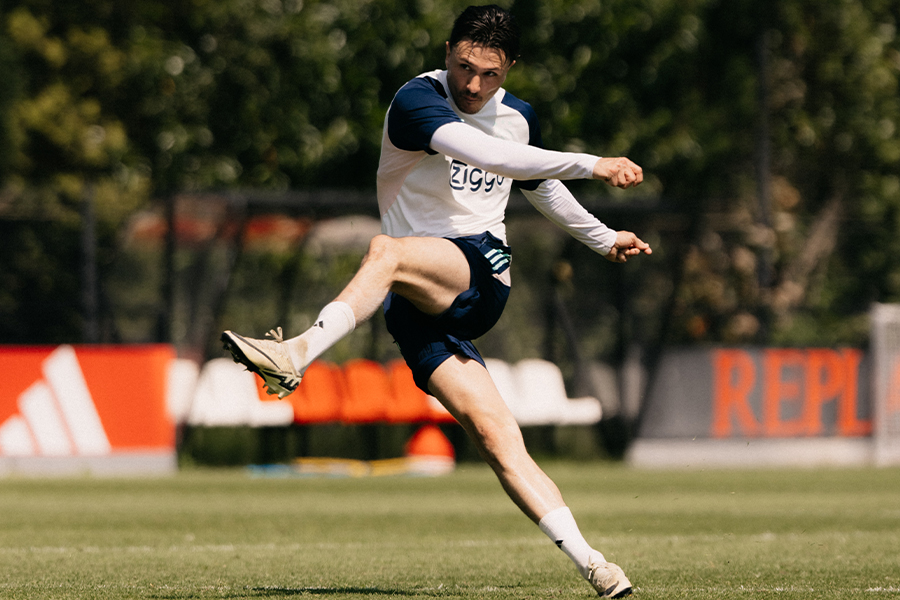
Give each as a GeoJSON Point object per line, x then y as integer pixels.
{"type": "Point", "coordinates": [429, 452]}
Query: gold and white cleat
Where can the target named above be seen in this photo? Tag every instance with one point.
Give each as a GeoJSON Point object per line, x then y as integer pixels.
{"type": "Point", "coordinates": [269, 359]}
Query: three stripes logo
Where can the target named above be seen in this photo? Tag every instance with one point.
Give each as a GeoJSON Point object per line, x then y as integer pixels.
{"type": "Point", "coordinates": [499, 260]}
{"type": "Point", "coordinates": [57, 416]}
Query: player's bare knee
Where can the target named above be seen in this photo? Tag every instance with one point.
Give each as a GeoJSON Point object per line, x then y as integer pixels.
{"type": "Point", "coordinates": [499, 445]}
{"type": "Point", "coordinates": [383, 249]}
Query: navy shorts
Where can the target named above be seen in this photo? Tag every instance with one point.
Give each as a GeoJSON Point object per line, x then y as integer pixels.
{"type": "Point", "coordinates": [426, 341]}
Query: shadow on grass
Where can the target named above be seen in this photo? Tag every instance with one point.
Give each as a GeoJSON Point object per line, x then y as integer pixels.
{"type": "Point", "coordinates": [272, 592]}
{"type": "Point", "coordinates": [331, 591]}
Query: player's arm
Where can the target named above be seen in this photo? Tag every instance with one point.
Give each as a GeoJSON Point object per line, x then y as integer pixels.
{"type": "Point", "coordinates": [618, 172]}
{"type": "Point", "coordinates": [554, 200]}
{"type": "Point", "coordinates": [526, 162]}
{"type": "Point", "coordinates": [627, 244]}
{"type": "Point", "coordinates": [507, 158]}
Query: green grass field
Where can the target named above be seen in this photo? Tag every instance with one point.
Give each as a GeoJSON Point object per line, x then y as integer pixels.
{"type": "Point", "coordinates": [225, 534]}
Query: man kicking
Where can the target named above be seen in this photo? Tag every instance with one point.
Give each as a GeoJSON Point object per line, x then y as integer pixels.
{"type": "Point", "coordinates": [453, 143]}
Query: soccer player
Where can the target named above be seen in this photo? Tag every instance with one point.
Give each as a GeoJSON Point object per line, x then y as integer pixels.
{"type": "Point", "coordinates": [454, 141]}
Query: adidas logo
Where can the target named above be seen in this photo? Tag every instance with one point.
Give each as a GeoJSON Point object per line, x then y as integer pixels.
{"type": "Point", "coordinates": [499, 260]}
{"type": "Point", "coordinates": [57, 416]}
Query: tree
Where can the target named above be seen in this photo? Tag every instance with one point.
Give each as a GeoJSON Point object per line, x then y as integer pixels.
{"type": "Point", "coordinates": [136, 101]}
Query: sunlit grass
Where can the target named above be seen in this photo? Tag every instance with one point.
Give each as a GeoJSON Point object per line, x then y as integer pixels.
{"type": "Point", "coordinates": [226, 534]}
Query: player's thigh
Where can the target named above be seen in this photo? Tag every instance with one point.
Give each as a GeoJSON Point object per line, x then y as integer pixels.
{"type": "Point", "coordinates": [466, 389]}
{"type": "Point", "coordinates": [431, 273]}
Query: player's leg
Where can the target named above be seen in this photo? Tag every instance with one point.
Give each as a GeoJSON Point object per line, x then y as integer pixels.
{"type": "Point", "coordinates": [466, 389]}
{"type": "Point", "coordinates": [429, 272]}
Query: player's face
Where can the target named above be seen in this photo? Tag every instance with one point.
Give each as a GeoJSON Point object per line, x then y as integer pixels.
{"type": "Point", "coordinates": [474, 74]}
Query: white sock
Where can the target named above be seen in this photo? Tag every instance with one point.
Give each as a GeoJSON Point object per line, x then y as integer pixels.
{"type": "Point", "coordinates": [559, 525]}
{"type": "Point", "coordinates": [334, 322]}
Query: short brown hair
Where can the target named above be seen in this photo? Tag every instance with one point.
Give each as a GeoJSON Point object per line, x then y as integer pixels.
{"type": "Point", "coordinates": [489, 26]}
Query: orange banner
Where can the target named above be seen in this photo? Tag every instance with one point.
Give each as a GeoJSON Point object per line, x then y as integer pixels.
{"type": "Point", "coordinates": [84, 400]}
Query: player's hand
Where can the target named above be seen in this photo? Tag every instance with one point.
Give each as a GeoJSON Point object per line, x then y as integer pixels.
{"type": "Point", "coordinates": [618, 172]}
{"type": "Point", "coordinates": [627, 244]}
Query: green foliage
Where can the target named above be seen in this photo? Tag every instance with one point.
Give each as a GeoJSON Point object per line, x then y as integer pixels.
{"type": "Point", "coordinates": [619, 78]}
{"type": "Point", "coordinates": [134, 101]}
{"type": "Point", "coordinates": [39, 279]}
{"type": "Point", "coordinates": [832, 79]}
{"type": "Point", "coordinates": [9, 91]}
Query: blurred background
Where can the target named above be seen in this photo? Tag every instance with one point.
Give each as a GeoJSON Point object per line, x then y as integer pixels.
{"type": "Point", "coordinates": [169, 169]}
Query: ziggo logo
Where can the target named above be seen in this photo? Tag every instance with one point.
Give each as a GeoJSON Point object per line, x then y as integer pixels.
{"type": "Point", "coordinates": [461, 176]}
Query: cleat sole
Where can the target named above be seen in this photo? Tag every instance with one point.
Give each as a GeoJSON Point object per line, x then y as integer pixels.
{"type": "Point", "coordinates": [238, 356]}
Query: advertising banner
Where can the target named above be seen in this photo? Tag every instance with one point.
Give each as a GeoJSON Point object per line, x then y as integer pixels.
{"type": "Point", "coordinates": [754, 393]}
{"type": "Point", "coordinates": [90, 408]}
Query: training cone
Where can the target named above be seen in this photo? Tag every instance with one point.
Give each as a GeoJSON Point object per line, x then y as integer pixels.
{"type": "Point", "coordinates": [429, 452]}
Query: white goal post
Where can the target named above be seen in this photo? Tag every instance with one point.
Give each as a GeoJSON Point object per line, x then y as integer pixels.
{"type": "Point", "coordinates": [885, 340]}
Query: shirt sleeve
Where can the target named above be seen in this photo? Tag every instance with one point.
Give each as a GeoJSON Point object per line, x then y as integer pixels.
{"type": "Point", "coordinates": [554, 200]}
{"type": "Point", "coordinates": [507, 158]}
{"type": "Point", "coordinates": [418, 109]}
